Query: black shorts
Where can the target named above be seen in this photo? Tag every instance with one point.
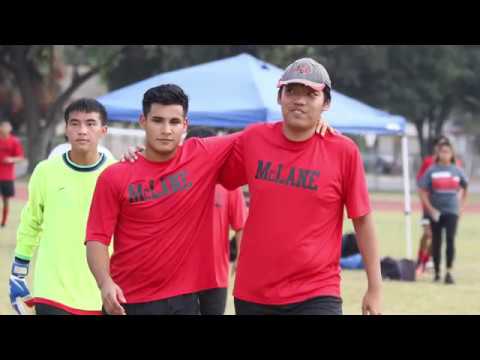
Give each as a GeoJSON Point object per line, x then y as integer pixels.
{"type": "Point", "coordinates": [323, 305]}
{"type": "Point", "coordinates": [7, 188]}
{"type": "Point", "coordinates": [178, 305]}
{"type": "Point", "coordinates": [213, 301]}
{"type": "Point", "coordinates": [44, 309]}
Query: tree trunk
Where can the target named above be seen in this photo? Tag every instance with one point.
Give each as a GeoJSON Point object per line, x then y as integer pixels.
{"type": "Point", "coordinates": [54, 117]}
{"type": "Point", "coordinates": [37, 145]}
{"type": "Point", "coordinates": [431, 133]}
{"type": "Point", "coordinates": [421, 138]}
{"type": "Point", "coordinates": [38, 140]}
{"type": "Point", "coordinates": [50, 135]}
{"type": "Point", "coordinates": [439, 127]}
{"type": "Point", "coordinates": [31, 108]}
{"type": "Point", "coordinates": [443, 117]}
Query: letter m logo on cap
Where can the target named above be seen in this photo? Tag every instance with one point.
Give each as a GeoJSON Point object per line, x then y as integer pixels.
{"type": "Point", "coordinates": [304, 69]}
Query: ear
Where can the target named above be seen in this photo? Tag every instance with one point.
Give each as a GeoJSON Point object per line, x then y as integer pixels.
{"type": "Point", "coordinates": [279, 96]}
{"type": "Point", "coordinates": [142, 121]}
{"type": "Point", "coordinates": [326, 106]}
{"type": "Point", "coordinates": [185, 124]}
{"type": "Point", "coordinates": [104, 130]}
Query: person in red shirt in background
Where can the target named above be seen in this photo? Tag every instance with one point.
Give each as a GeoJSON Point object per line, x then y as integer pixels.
{"type": "Point", "coordinates": [229, 211]}
{"type": "Point", "coordinates": [425, 248]}
{"type": "Point", "coordinates": [299, 184]}
{"type": "Point", "coordinates": [11, 152]}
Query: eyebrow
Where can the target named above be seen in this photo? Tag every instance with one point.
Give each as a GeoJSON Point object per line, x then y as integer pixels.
{"type": "Point", "coordinates": [162, 118]}
{"type": "Point", "coordinates": [91, 119]}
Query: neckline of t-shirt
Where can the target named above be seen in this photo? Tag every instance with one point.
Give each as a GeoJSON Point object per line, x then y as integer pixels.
{"type": "Point", "coordinates": [83, 168]}
{"type": "Point", "coordinates": [291, 143]}
{"type": "Point", "coordinates": [159, 163]}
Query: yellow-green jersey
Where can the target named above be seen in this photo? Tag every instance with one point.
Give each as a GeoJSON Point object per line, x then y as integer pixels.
{"type": "Point", "coordinates": [54, 221]}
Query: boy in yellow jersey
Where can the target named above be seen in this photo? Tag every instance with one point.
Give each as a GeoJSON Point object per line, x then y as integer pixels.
{"type": "Point", "coordinates": [54, 221]}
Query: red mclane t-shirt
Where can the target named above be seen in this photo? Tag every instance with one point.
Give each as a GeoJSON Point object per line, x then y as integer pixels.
{"type": "Point", "coordinates": [9, 147]}
{"type": "Point", "coordinates": [160, 216]}
{"type": "Point", "coordinates": [292, 237]}
{"type": "Point", "coordinates": [229, 211]}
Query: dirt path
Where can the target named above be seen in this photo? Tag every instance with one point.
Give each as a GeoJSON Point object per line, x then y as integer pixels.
{"type": "Point", "coordinates": [389, 205]}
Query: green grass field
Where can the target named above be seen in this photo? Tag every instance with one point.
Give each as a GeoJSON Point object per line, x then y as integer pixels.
{"type": "Point", "coordinates": [420, 297]}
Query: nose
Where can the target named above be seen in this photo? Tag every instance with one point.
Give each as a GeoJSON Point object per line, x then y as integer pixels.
{"type": "Point", "coordinates": [299, 100]}
{"type": "Point", "coordinates": [167, 129]}
{"type": "Point", "coordinates": [83, 128]}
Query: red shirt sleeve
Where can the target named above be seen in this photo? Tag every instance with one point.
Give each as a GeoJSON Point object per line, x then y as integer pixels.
{"type": "Point", "coordinates": [233, 174]}
{"type": "Point", "coordinates": [425, 165]}
{"type": "Point", "coordinates": [18, 148]}
{"type": "Point", "coordinates": [355, 187]}
{"type": "Point", "coordinates": [237, 210]}
{"type": "Point", "coordinates": [104, 209]}
{"type": "Point", "coordinates": [219, 147]}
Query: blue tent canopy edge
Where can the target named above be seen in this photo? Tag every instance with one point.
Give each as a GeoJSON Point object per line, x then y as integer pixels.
{"type": "Point", "coordinates": [241, 90]}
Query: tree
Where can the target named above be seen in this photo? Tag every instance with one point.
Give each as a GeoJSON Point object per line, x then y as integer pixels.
{"type": "Point", "coordinates": [142, 61]}
{"type": "Point", "coordinates": [36, 73]}
{"type": "Point", "coordinates": [426, 84]}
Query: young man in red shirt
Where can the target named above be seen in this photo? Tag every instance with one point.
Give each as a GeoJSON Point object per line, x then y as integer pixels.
{"type": "Point", "coordinates": [159, 211]}
{"type": "Point", "coordinates": [299, 184]}
{"type": "Point", "coordinates": [11, 152]}
{"type": "Point", "coordinates": [229, 211]}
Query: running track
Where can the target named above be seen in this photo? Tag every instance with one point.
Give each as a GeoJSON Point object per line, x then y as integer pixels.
{"type": "Point", "coordinates": [383, 205]}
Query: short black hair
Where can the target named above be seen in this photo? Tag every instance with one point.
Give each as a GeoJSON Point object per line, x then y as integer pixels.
{"type": "Point", "coordinates": [87, 105]}
{"type": "Point", "coordinates": [200, 132]}
{"type": "Point", "coordinates": [327, 93]}
{"type": "Point", "coordinates": [167, 94]}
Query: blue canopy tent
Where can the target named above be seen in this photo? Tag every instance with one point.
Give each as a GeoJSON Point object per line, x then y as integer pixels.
{"type": "Point", "coordinates": [241, 90]}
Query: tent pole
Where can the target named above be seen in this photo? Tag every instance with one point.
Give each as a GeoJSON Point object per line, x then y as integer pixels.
{"type": "Point", "coordinates": [407, 199]}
